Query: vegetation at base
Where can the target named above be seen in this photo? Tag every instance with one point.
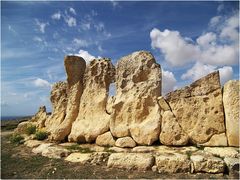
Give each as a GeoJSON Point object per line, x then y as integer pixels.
{"type": "Point", "coordinates": [77, 148]}
{"type": "Point", "coordinates": [41, 135]}
{"type": "Point", "coordinates": [31, 129]}
{"type": "Point", "coordinates": [106, 149]}
{"type": "Point", "coordinates": [16, 139]}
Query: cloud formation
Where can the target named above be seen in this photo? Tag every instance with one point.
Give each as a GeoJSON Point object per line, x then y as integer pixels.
{"type": "Point", "coordinates": [56, 16]}
{"type": "Point", "coordinates": [168, 81]}
{"type": "Point", "coordinates": [86, 56]}
{"type": "Point", "coordinates": [211, 48]}
{"type": "Point", "coordinates": [72, 10]}
{"type": "Point", "coordinates": [41, 83]}
{"type": "Point", "coordinates": [41, 25]}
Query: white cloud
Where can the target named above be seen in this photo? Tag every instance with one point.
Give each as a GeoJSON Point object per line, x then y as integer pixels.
{"type": "Point", "coordinates": [41, 83]}
{"type": "Point", "coordinates": [72, 11]}
{"type": "Point", "coordinates": [38, 39]}
{"type": "Point", "coordinates": [226, 74]}
{"type": "Point", "coordinates": [168, 81]}
{"type": "Point", "coordinates": [80, 42]}
{"type": "Point", "coordinates": [56, 16]}
{"type": "Point", "coordinates": [86, 56]}
{"type": "Point", "coordinates": [220, 7]}
{"type": "Point", "coordinates": [214, 21]}
{"type": "Point", "coordinates": [10, 28]}
{"type": "Point", "coordinates": [177, 51]}
{"type": "Point", "coordinates": [230, 28]}
{"type": "Point", "coordinates": [207, 39]}
{"type": "Point", "coordinates": [100, 26]}
{"type": "Point", "coordinates": [114, 3]}
{"type": "Point", "coordinates": [71, 21]}
{"type": "Point", "coordinates": [197, 71]}
{"type": "Point", "coordinates": [41, 25]}
{"type": "Point", "coordinates": [200, 70]}
{"type": "Point", "coordinates": [215, 48]}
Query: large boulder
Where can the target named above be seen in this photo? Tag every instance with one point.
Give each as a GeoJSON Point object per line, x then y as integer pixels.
{"type": "Point", "coordinates": [231, 108]}
{"type": "Point", "coordinates": [135, 111]}
{"type": "Point", "coordinates": [58, 99]}
{"type": "Point", "coordinates": [139, 161]}
{"type": "Point", "coordinates": [198, 108]}
{"type": "Point", "coordinates": [75, 68]}
{"type": "Point", "coordinates": [93, 119]}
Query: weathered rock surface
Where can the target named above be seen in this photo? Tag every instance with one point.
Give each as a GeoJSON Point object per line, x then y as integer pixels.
{"type": "Point", "coordinates": [58, 99]}
{"type": "Point", "coordinates": [32, 143]}
{"type": "Point", "coordinates": [40, 117]}
{"type": "Point", "coordinates": [198, 108]}
{"type": "Point", "coordinates": [138, 161]}
{"type": "Point", "coordinates": [143, 149]}
{"type": "Point", "coordinates": [41, 148]}
{"type": "Point", "coordinates": [216, 140]}
{"type": "Point", "coordinates": [202, 162]}
{"type": "Point", "coordinates": [231, 108]}
{"type": "Point", "coordinates": [172, 163]}
{"type": "Point", "coordinates": [171, 131]}
{"type": "Point", "coordinates": [119, 149]}
{"type": "Point", "coordinates": [135, 109]}
{"type": "Point", "coordinates": [82, 158]}
{"type": "Point", "coordinates": [105, 139]}
{"type": "Point", "coordinates": [125, 142]}
{"type": "Point", "coordinates": [222, 151]}
{"type": "Point", "coordinates": [75, 69]}
{"type": "Point", "coordinates": [93, 120]}
{"type": "Point", "coordinates": [233, 165]}
{"type": "Point", "coordinates": [55, 152]}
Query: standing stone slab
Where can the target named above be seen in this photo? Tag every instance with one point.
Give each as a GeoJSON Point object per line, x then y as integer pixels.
{"type": "Point", "coordinates": [40, 117]}
{"type": "Point", "coordinates": [93, 119]}
{"type": "Point", "coordinates": [105, 139]}
{"type": "Point", "coordinates": [198, 108]}
{"type": "Point", "coordinates": [135, 109]}
{"type": "Point", "coordinates": [58, 99]}
{"type": "Point", "coordinates": [75, 68]}
{"type": "Point", "coordinates": [231, 108]}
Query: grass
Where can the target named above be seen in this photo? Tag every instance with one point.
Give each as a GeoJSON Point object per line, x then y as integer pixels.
{"type": "Point", "coordinates": [77, 148]}
{"type": "Point", "coordinates": [31, 129]}
{"type": "Point", "coordinates": [41, 135]}
{"type": "Point", "coordinates": [16, 139]}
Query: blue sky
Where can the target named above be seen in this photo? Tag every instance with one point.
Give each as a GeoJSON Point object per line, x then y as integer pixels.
{"type": "Point", "coordinates": [188, 39]}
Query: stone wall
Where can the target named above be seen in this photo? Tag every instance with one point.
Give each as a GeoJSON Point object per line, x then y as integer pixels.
{"type": "Point", "coordinates": [199, 114]}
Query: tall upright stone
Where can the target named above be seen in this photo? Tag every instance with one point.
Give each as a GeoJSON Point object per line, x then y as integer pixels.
{"type": "Point", "coordinates": [93, 119]}
{"type": "Point", "coordinates": [58, 99]}
{"type": "Point", "coordinates": [75, 68]}
{"type": "Point", "coordinates": [198, 108]}
{"type": "Point", "coordinates": [136, 112]}
{"type": "Point", "coordinates": [231, 108]}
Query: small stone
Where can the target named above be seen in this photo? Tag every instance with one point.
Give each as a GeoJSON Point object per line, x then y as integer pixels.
{"type": "Point", "coordinates": [125, 142]}
{"type": "Point", "coordinates": [154, 168]}
{"type": "Point", "coordinates": [139, 161]}
{"type": "Point", "coordinates": [163, 104]}
{"type": "Point", "coordinates": [105, 139]}
{"type": "Point", "coordinates": [216, 140]}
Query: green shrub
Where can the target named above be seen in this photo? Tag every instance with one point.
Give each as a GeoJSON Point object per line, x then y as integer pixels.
{"type": "Point", "coordinates": [31, 129]}
{"type": "Point", "coordinates": [16, 139]}
{"type": "Point", "coordinates": [77, 148]}
{"type": "Point", "coordinates": [41, 135]}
